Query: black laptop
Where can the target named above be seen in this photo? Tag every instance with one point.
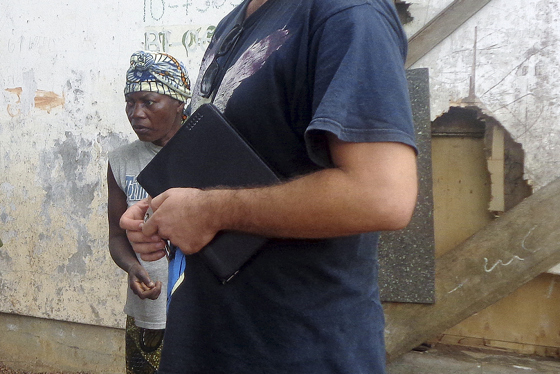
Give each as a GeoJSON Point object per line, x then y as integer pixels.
{"type": "Point", "coordinates": [208, 152]}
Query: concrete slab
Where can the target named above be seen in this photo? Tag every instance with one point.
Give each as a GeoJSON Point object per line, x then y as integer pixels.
{"type": "Point", "coordinates": [461, 360]}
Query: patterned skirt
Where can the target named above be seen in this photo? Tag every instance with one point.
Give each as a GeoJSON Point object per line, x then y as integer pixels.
{"type": "Point", "coordinates": [143, 348]}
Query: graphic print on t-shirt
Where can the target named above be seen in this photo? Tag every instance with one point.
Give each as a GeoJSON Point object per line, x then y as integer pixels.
{"type": "Point", "coordinates": [133, 190]}
{"type": "Point", "coordinates": [248, 64]}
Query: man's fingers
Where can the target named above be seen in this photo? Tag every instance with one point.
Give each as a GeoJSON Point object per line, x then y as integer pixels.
{"type": "Point", "coordinates": [150, 227]}
{"type": "Point", "coordinates": [134, 216]}
{"type": "Point", "coordinates": [127, 223]}
{"type": "Point", "coordinates": [145, 247]}
{"type": "Point", "coordinates": [152, 256]}
{"type": "Point", "coordinates": [139, 237]}
{"type": "Point", "coordinates": [156, 202]}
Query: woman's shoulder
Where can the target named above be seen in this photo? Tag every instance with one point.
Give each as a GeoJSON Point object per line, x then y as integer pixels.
{"type": "Point", "coordinates": [126, 149]}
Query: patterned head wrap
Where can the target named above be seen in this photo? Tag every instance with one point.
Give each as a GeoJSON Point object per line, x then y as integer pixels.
{"type": "Point", "coordinates": [158, 72]}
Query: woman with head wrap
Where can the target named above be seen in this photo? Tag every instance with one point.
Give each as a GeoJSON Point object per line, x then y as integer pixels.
{"type": "Point", "coordinates": [156, 92]}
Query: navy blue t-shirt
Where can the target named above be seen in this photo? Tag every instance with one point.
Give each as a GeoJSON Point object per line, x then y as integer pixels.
{"type": "Point", "coordinates": [299, 69]}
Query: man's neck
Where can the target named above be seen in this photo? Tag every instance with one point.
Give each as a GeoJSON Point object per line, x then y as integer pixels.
{"type": "Point", "coordinates": [253, 6]}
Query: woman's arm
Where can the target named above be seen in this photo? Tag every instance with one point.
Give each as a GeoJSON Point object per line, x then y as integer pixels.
{"type": "Point", "coordinates": [120, 248]}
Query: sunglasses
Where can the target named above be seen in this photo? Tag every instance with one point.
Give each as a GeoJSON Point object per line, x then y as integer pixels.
{"type": "Point", "coordinates": [209, 82]}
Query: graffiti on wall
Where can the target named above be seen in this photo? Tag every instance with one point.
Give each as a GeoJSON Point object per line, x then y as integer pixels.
{"type": "Point", "coordinates": [189, 41]}
{"type": "Point", "coordinates": [27, 43]}
{"type": "Point", "coordinates": [164, 10]}
{"type": "Point", "coordinates": [182, 28]}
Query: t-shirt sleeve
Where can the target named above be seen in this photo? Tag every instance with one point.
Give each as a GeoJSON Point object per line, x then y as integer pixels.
{"type": "Point", "coordinates": [360, 90]}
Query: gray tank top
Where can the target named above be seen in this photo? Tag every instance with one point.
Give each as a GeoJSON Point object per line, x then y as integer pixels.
{"type": "Point", "coordinates": [126, 162]}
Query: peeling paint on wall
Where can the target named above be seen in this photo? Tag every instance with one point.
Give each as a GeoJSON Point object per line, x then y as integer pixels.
{"type": "Point", "coordinates": [12, 109]}
{"type": "Point", "coordinates": [47, 100]}
{"type": "Point", "coordinates": [516, 65]}
{"type": "Point", "coordinates": [61, 111]}
{"type": "Point", "coordinates": [44, 100]}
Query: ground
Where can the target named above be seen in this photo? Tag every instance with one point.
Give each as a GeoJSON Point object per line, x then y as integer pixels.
{"type": "Point", "coordinates": [441, 359]}
{"type": "Point", "coordinates": [7, 370]}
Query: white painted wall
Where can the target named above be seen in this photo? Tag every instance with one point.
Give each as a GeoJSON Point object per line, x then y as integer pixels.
{"type": "Point", "coordinates": [516, 74]}
{"type": "Point", "coordinates": [61, 111]}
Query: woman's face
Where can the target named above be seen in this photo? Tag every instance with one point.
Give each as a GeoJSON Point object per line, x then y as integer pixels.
{"type": "Point", "coordinates": [154, 117]}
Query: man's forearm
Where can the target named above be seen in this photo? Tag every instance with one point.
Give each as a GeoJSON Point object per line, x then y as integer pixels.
{"type": "Point", "coordinates": [327, 203]}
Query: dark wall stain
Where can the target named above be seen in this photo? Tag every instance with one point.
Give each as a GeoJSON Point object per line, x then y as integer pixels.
{"type": "Point", "coordinates": [75, 191]}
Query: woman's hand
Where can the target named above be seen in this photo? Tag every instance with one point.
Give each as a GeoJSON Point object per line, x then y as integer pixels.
{"type": "Point", "coordinates": [140, 283]}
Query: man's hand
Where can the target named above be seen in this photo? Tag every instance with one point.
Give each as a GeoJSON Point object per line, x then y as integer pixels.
{"type": "Point", "coordinates": [151, 247]}
{"type": "Point", "coordinates": [140, 283]}
{"type": "Point", "coordinates": [188, 217]}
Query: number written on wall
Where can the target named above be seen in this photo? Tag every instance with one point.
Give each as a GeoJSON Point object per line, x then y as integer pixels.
{"type": "Point", "coordinates": [156, 10]}
{"type": "Point", "coordinates": [192, 40]}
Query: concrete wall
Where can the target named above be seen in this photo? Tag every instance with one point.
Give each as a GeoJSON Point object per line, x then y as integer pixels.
{"type": "Point", "coordinates": [61, 111]}
{"type": "Point", "coordinates": [510, 48]}
{"type": "Point", "coordinates": [509, 53]}
{"type": "Point", "coordinates": [38, 345]}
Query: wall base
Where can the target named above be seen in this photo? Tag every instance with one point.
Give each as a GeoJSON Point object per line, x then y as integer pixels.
{"type": "Point", "coordinates": [40, 345]}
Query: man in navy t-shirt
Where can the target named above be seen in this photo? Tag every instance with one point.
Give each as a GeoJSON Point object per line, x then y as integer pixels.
{"type": "Point", "coordinates": [319, 90]}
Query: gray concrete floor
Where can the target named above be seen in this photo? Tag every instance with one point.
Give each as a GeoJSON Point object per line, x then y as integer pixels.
{"type": "Point", "coordinates": [460, 360]}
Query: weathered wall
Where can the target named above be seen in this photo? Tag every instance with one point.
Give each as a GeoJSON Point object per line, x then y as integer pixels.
{"type": "Point", "coordinates": [61, 110]}
{"type": "Point", "coordinates": [422, 11]}
{"type": "Point", "coordinates": [38, 345]}
{"type": "Point", "coordinates": [511, 51]}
